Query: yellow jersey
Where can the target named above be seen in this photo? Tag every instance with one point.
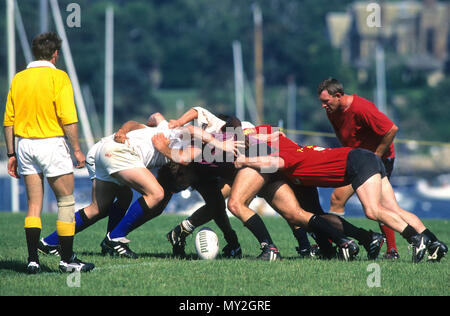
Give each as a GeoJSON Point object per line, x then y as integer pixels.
{"type": "Point", "coordinates": [40, 101]}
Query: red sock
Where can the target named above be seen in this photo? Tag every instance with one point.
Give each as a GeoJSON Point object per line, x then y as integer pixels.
{"type": "Point", "coordinates": [389, 233]}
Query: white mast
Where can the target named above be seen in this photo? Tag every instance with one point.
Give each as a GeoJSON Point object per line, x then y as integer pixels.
{"type": "Point", "coordinates": [238, 80]}
{"type": "Point", "coordinates": [109, 70]}
{"type": "Point", "coordinates": [11, 72]}
{"type": "Point", "coordinates": [72, 74]}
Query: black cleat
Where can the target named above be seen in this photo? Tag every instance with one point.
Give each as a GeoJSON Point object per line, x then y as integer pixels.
{"type": "Point", "coordinates": [347, 250]}
{"type": "Point", "coordinates": [177, 238]}
{"type": "Point", "coordinates": [436, 251]}
{"type": "Point", "coordinates": [48, 249]}
{"type": "Point", "coordinates": [269, 253]}
{"type": "Point", "coordinates": [374, 247]}
{"type": "Point", "coordinates": [75, 265]}
{"type": "Point", "coordinates": [391, 254]}
{"type": "Point", "coordinates": [304, 252]}
{"type": "Point", "coordinates": [33, 267]}
{"type": "Point", "coordinates": [419, 245]}
{"type": "Point", "coordinates": [232, 252]}
{"type": "Point", "coordinates": [118, 247]}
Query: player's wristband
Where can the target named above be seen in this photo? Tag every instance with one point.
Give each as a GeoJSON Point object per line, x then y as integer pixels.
{"type": "Point", "coordinates": [11, 155]}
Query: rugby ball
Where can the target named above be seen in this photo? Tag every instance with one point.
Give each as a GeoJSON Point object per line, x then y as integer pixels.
{"type": "Point", "coordinates": [206, 244]}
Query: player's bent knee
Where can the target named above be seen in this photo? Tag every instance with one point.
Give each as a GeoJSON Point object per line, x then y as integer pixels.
{"type": "Point", "coordinates": [158, 196]}
{"type": "Point", "coordinates": [234, 206]}
{"type": "Point", "coordinates": [370, 214]}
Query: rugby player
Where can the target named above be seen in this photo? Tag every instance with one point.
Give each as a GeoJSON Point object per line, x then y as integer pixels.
{"type": "Point", "coordinates": [359, 124]}
{"type": "Point", "coordinates": [40, 112]}
{"type": "Point", "coordinates": [334, 167]}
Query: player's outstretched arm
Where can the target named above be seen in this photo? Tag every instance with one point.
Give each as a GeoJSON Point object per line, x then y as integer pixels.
{"type": "Point", "coordinates": [230, 145]}
{"type": "Point", "coordinates": [182, 156]}
{"type": "Point", "coordinates": [187, 117]}
{"type": "Point", "coordinates": [265, 164]}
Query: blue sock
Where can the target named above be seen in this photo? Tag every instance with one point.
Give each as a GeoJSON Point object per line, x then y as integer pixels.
{"type": "Point", "coordinates": [53, 238]}
{"type": "Point", "coordinates": [115, 216]}
{"type": "Point", "coordinates": [134, 214]}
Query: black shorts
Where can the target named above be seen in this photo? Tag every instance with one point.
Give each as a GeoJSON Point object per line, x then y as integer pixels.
{"type": "Point", "coordinates": [307, 197]}
{"type": "Point", "coordinates": [361, 165]}
{"type": "Point", "coordinates": [389, 166]}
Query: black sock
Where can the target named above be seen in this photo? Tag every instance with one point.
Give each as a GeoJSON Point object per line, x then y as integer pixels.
{"type": "Point", "coordinates": [430, 235]}
{"type": "Point", "coordinates": [32, 236]}
{"type": "Point", "coordinates": [302, 238]}
{"type": "Point", "coordinates": [259, 230]}
{"type": "Point", "coordinates": [66, 243]}
{"type": "Point", "coordinates": [408, 232]}
{"type": "Point", "coordinates": [86, 221]}
{"type": "Point", "coordinates": [363, 236]}
{"type": "Point", "coordinates": [321, 226]}
{"type": "Point", "coordinates": [231, 238]}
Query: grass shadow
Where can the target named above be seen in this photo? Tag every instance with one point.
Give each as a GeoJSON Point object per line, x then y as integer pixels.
{"type": "Point", "coordinates": [20, 266]}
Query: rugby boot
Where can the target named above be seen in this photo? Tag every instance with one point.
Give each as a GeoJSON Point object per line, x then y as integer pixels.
{"type": "Point", "coordinates": [75, 265]}
{"type": "Point", "coordinates": [374, 246]}
{"type": "Point", "coordinates": [33, 267]}
{"type": "Point", "coordinates": [304, 252]}
{"type": "Point", "coordinates": [117, 247]}
{"type": "Point", "coordinates": [269, 253]}
{"type": "Point", "coordinates": [436, 251]}
{"type": "Point", "coordinates": [347, 250]}
{"type": "Point", "coordinates": [177, 238]}
{"type": "Point", "coordinates": [391, 254]}
{"type": "Point", "coordinates": [419, 245]}
{"type": "Point", "coordinates": [48, 249]}
{"type": "Point", "coordinates": [232, 252]}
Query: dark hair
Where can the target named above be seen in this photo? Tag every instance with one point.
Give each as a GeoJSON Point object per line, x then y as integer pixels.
{"type": "Point", "coordinates": [44, 45]}
{"type": "Point", "coordinates": [332, 85]}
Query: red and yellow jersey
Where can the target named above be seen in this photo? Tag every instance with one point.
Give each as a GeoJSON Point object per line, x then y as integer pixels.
{"type": "Point", "coordinates": [40, 101]}
{"type": "Point", "coordinates": [310, 165]}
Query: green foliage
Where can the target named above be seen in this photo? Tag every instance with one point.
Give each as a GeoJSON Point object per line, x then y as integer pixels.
{"type": "Point", "coordinates": [187, 44]}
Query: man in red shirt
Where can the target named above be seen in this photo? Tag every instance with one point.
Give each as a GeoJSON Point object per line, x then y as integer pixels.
{"type": "Point", "coordinates": [359, 124]}
{"type": "Point", "coordinates": [360, 168]}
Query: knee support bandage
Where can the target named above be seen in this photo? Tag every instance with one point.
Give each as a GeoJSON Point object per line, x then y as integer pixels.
{"type": "Point", "coordinates": [65, 225]}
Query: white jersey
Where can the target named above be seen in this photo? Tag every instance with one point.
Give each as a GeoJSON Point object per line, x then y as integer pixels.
{"type": "Point", "coordinates": [141, 142]}
{"type": "Point", "coordinates": [211, 123]}
{"type": "Point", "coordinates": [137, 151]}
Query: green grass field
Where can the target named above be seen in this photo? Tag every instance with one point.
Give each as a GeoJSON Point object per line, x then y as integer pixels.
{"type": "Point", "coordinates": [155, 273]}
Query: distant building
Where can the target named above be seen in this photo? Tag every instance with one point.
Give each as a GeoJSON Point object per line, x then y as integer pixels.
{"type": "Point", "coordinates": [416, 31]}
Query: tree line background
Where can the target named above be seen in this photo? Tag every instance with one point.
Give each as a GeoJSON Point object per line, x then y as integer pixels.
{"type": "Point", "coordinates": [169, 50]}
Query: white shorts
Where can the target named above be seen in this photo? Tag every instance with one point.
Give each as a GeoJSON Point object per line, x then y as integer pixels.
{"type": "Point", "coordinates": [90, 161]}
{"type": "Point", "coordinates": [49, 156]}
{"type": "Point", "coordinates": [112, 157]}
{"type": "Point", "coordinates": [90, 157]}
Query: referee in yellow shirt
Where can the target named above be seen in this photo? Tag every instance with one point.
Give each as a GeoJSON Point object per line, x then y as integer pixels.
{"type": "Point", "coordinates": [41, 114]}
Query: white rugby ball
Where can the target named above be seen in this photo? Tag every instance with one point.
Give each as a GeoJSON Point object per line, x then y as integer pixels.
{"type": "Point", "coordinates": [207, 244]}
